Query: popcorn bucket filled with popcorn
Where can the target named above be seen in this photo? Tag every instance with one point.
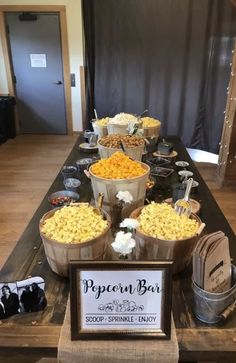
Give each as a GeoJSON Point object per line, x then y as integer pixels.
{"type": "Point", "coordinates": [119, 123]}
{"type": "Point", "coordinates": [151, 131]}
{"type": "Point", "coordinates": [164, 235]}
{"type": "Point", "coordinates": [74, 232]}
{"type": "Point", "coordinates": [131, 145]}
{"type": "Point", "coordinates": [100, 126]}
{"type": "Point", "coordinates": [115, 174]}
{"type": "Point", "coordinates": [151, 127]}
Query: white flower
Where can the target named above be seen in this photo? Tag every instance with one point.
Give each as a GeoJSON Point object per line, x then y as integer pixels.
{"type": "Point", "coordinates": [124, 196]}
{"type": "Point", "coordinates": [124, 243]}
{"type": "Point", "coordinates": [139, 132]}
{"type": "Point", "coordinates": [134, 128]}
{"type": "Point", "coordinates": [129, 223]}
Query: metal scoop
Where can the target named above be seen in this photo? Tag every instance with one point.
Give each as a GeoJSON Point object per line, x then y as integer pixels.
{"type": "Point", "coordinates": [97, 209]}
{"type": "Point", "coordinates": [182, 206]}
{"type": "Point", "coordinates": [143, 113]}
{"type": "Point", "coordinates": [95, 113]}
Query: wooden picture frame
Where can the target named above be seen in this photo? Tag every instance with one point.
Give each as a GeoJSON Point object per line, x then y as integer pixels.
{"type": "Point", "coordinates": [120, 299]}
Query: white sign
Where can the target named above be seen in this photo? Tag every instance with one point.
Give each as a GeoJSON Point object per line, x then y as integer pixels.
{"type": "Point", "coordinates": [119, 299]}
{"type": "Point", "coordinates": [38, 60]}
{"type": "Point", "coordinates": [133, 298]}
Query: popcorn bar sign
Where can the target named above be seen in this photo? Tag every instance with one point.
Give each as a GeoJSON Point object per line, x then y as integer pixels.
{"type": "Point", "coordinates": [120, 300]}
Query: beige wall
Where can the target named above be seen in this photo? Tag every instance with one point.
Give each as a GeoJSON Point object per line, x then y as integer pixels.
{"type": "Point", "coordinates": [3, 78]}
{"type": "Point", "coordinates": [74, 24]}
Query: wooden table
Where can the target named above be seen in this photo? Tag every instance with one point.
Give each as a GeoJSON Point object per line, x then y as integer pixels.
{"type": "Point", "coordinates": [37, 334]}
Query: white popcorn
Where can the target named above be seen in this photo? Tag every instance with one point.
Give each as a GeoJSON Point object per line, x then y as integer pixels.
{"type": "Point", "coordinates": [124, 196]}
{"type": "Point", "coordinates": [124, 243]}
{"type": "Point", "coordinates": [123, 119]}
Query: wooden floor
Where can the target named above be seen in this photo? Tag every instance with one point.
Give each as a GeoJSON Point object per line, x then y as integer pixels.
{"type": "Point", "coordinates": [29, 164]}
{"type": "Point", "coordinates": [225, 196]}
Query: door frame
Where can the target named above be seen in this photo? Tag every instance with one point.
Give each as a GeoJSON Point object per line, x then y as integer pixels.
{"type": "Point", "coordinates": [61, 10]}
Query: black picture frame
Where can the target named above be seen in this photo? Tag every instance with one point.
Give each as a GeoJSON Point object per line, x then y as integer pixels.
{"type": "Point", "coordinates": [79, 268]}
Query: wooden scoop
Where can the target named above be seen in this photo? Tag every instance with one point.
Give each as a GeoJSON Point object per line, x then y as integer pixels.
{"type": "Point", "coordinates": [183, 206]}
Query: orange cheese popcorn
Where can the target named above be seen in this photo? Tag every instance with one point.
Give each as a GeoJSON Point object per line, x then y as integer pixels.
{"type": "Point", "coordinates": [117, 166]}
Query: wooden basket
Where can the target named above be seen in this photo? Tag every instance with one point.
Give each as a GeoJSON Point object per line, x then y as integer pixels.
{"type": "Point", "coordinates": [151, 248]}
{"type": "Point", "coordinates": [134, 152]}
{"type": "Point", "coordinates": [100, 130]}
{"type": "Point", "coordinates": [117, 129]}
{"type": "Point", "coordinates": [152, 131]}
{"type": "Point", "coordinates": [59, 254]}
{"type": "Point", "coordinates": [110, 187]}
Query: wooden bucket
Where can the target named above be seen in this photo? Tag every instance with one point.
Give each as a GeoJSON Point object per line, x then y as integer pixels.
{"type": "Point", "coordinates": [152, 131]}
{"type": "Point", "coordinates": [151, 248]}
{"type": "Point", "coordinates": [133, 152]}
{"type": "Point", "coordinates": [100, 130]}
{"type": "Point", "coordinates": [110, 187]}
{"type": "Point", "coordinates": [59, 254]}
{"type": "Point", "coordinates": [117, 129]}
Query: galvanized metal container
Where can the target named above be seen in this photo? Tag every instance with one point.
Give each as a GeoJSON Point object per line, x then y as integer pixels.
{"type": "Point", "coordinates": [208, 306]}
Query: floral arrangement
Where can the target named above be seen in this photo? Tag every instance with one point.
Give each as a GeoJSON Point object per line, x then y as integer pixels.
{"type": "Point", "coordinates": [124, 196]}
{"type": "Point", "coordinates": [123, 244]}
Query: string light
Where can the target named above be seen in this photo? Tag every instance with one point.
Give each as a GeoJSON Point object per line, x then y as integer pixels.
{"type": "Point", "coordinates": [230, 110]}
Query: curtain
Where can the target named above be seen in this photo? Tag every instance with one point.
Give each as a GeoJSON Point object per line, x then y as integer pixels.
{"type": "Point", "coordinates": [171, 57]}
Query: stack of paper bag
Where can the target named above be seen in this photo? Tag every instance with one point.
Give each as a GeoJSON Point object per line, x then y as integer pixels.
{"type": "Point", "coordinates": [211, 263]}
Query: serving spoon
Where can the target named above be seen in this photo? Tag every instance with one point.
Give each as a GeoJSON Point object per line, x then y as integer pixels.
{"type": "Point", "coordinates": [183, 206]}
{"type": "Point", "coordinates": [98, 209]}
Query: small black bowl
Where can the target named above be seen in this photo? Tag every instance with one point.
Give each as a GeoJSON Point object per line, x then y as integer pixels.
{"type": "Point", "coordinates": [69, 171]}
{"type": "Point", "coordinates": [72, 184]}
{"type": "Point", "coordinates": [83, 164]}
{"type": "Point", "coordinates": [181, 165]}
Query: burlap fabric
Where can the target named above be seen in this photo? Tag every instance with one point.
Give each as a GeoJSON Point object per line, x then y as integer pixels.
{"type": "Point", "coordinates": [115, 351]}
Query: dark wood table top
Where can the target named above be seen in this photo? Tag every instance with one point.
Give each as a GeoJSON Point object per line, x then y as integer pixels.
{"type": "Point", "coordinates": [33, 331]}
